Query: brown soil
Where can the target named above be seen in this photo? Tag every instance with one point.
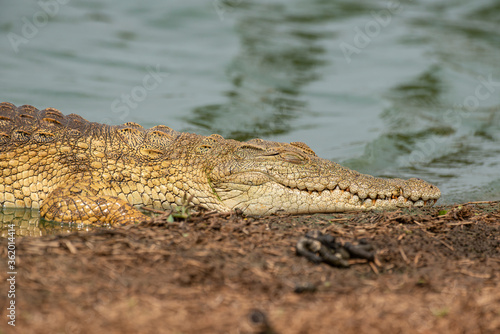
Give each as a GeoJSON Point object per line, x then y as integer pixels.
{"type": "Point", "coordinates": [221, 273]}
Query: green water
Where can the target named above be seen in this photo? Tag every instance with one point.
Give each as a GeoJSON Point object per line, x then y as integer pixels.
{"type": "Point", "coordinates": [390, 90]}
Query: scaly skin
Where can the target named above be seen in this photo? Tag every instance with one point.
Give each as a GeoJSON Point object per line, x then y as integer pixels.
{"type": "Point", "coordinates": [77, 171]}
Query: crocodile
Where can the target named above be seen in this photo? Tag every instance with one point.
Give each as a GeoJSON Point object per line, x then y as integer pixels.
{"type": "Point", "coordinates": [78, 171]}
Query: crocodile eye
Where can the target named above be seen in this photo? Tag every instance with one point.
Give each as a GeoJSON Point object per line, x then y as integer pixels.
{"type": "Point", "coordinates": [207, 144]}
{"type": "Point", "coordinates": [292, 158]}
{"type": "Point", "coordinates": [203, 149]}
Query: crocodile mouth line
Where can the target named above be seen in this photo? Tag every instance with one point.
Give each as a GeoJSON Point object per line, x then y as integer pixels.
{"type": "Point", "coordinates": [366, 200]}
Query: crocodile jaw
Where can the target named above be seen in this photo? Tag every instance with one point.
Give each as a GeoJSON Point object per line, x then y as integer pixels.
{"type": "Point", "coordinates": [256, 193]}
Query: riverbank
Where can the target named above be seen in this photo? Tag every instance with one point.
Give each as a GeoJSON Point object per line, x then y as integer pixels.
{"type": "Point", "coordinates": [436, 270]}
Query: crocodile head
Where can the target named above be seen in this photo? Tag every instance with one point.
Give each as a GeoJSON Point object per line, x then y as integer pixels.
{"type": "Point", "coordinates": [263, 177]}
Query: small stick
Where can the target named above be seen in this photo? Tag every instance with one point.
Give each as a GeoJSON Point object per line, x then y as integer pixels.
{"type": "Point", "coordinates": [374, 267]}
{"type": "Point", "coordinates": [481, 202]}
{"type": "Point", "coordinates": [403, 255]}
{"type": "Point", "coordinates": [444, 243]}
{"type": "Point", "coordinates": [471, 274]}
{"type": "Point", "coordinates": [458, 224]}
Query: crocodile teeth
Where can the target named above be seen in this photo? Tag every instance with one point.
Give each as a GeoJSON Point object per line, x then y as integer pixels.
{"type": "Point", "coordinates": [363, 198]}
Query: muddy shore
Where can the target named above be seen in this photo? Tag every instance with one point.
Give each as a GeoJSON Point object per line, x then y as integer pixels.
{"type": "Point", "coordinates": [436, 270]}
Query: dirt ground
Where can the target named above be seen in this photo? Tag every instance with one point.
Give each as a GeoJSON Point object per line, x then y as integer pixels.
{"type": "Point", "coordinates": [436, 271]}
